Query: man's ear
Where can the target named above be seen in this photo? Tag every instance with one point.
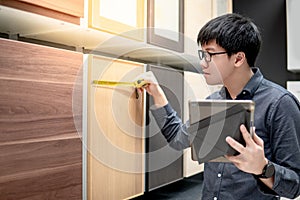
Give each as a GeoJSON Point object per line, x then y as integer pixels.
{"type": "Point", "coordinates": [240, 58]}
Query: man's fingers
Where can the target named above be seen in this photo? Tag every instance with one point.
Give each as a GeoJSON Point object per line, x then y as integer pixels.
{"type": "Point", "coordinates": [234, 144]}
{"type": "Point", "coordinates": [246, 135]}
{"type": "Point", "coordinates": [258, 140]}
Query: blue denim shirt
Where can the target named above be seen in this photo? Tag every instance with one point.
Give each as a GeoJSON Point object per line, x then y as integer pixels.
{"type": "Point", "coordinates": [277, 122]}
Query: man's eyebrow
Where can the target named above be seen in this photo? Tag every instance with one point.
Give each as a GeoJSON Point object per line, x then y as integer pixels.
{"type": "Point", "coordinates": [210, 49]}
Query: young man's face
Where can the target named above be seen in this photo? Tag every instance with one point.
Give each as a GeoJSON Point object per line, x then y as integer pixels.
{"type": "Point", "coordinates": [219, 68]}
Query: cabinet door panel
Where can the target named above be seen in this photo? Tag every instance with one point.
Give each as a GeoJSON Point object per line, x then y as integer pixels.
{"type": "Point", "coordinates": [121, 17]}
{"type": "Point", "coordinates": [115, 131]}
{"type": "Point", "coordinates": [166, 24]}
{"type": "Point", "coordinates": [40, 147]}
{"type": "Point", "coordinates": [164, 164]}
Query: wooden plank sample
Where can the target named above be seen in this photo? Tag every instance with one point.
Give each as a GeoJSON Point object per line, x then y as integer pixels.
{"type": "Point", "coordinates": [40, 145]}
{"type": "Point", "coordinates": [115, 131]}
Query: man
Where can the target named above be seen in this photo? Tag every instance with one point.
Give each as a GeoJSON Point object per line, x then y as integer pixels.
{"type": "Point", "coordinates": [268, 166]}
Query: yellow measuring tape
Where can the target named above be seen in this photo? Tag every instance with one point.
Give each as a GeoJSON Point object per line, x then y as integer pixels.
{"type": "Point", "coordinates": [137, 84]}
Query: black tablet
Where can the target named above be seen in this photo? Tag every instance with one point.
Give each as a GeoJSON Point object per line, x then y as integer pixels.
{"type": "Point", "coordinates": [211, 121]}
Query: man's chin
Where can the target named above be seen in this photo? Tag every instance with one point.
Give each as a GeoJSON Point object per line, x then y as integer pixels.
{"type": "Point", "coordinates": [212, 82]}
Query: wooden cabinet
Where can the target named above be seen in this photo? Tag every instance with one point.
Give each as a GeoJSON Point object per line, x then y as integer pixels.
{"type": "Point", "coordinates": [115, 130]}
{"type": "Point", "coordinates": [163, 164]}
{"type": "Point", "coordinates": [70, 11]}
{"type": "Point", "coordinates": [40, 136]}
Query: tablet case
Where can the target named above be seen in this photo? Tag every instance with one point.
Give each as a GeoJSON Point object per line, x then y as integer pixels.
{"type": "Point", "coordinates": [209, 133]}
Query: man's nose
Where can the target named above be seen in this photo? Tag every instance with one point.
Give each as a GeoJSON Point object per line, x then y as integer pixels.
{"type": "Point", "coordinates": [203, 64]}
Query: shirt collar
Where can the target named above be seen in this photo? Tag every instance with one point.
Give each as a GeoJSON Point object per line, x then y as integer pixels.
{"type": "Point", "coordinates": [249, 89]}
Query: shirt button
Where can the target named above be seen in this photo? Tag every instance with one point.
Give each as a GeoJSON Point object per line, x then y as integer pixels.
{"type": "Point", "coordinates": [215, 198]}
{"type": "Point", "coordinates": [219, 175]}
{"type": "Point", "coordinates": [244, 92]}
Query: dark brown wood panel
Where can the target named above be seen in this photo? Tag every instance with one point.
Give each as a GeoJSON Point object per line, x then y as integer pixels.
{"type": "Point", "coordinates": [32, 109]}
{"type": "Point", "coordinates": [40, 122]}
{"type": "Point", "coordinates": [61, 183]}
{"type": "Point", "coordinates": [20, 60]}
{"type": "Point", "coordinates": [38, 155]}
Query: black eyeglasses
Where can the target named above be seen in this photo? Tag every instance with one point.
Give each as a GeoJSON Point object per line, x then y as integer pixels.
{"type": "Point", "coordinates": [207, 55]}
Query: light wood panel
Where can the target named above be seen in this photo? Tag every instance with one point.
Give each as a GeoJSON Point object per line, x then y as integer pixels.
{"type": "Point", "coordinates": [115, 131]}
{"type": "Point", "coordinates": [40, 146]}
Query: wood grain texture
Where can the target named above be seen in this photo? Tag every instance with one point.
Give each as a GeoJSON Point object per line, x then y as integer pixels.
{"type": "Point", "coordinates": [56, 183]}
{"type": "Point", "coordinates": [32, 62]}
{"type": "Point", "coordinates": [115, 132]}
{"type": "Point", "coordinates": [33, 156]}
{"type": "Point", "coordinates": [40, 146]}
{"type": "Point", "coordinates": [68, 11]}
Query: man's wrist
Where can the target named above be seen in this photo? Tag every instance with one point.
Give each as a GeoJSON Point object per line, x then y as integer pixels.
{"type": "Point", "coordinates": [160, 101]}
{"type": "Point", "coordinates": [268, 170]}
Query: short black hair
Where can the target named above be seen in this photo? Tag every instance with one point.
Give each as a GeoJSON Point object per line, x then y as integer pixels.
{"type": "Point", "coordinates": [234, 33]}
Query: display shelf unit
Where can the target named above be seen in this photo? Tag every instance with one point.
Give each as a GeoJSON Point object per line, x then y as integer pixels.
{"type": "Point", "coordinates": [103, 39]}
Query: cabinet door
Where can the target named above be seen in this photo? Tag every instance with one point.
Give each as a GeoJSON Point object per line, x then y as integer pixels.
{"type": "Point", "coordinates": [120, 17]}
{"type": "Point", "coordinates": [163, 163]}
{"type": "Point", "coordinates": [40, 136]}
{"type": "Point", "coordinates": [70, 11]}
{"type": "Point", "coordinates": [165, 24]}
{"type": "Point", "coordinates": [115, 143]}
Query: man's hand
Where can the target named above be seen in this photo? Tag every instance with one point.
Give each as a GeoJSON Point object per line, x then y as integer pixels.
{"type": "Point", "coordinates": [251, 158]}
{"type": "Point", "coordinates": [156, 92]}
